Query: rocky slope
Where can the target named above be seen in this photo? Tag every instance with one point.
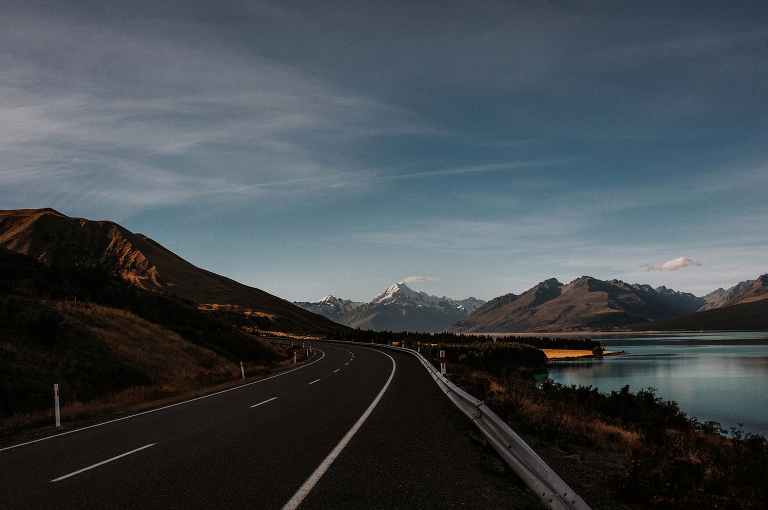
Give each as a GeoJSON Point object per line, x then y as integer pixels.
{"type": "Point", "coordinates": [720, 297]}
{"type": "Point", "coordinates": [55, 239]}
{"type": "Point", "coordinates": [756, 290]}
{"type": "Point", "coordinates": [400, 308]}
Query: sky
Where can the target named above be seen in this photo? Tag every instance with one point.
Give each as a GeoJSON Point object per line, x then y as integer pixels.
{"type": "Point", "coordinates": [470, 148]}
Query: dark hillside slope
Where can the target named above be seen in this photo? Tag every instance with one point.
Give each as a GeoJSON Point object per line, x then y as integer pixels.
{"type": "Point", "coordinates": [97, 336]}
{"type": "Point", "coordinates": [750, 316]}
{"type": "Point", "coordinates": [60, 241]}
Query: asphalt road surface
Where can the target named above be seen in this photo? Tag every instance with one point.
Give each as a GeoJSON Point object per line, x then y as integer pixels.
{"type": "Point", "coordinates": [355, 427]}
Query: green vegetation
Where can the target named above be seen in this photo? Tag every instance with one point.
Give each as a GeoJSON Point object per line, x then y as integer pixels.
{"type": "Point", "coordinates": [412, 339]}
{"type": "Point", "coordinates": [497, 358]}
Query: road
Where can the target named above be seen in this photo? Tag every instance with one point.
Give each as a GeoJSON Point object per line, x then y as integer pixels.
{"type": "Point", "coordinates": [257, 445]}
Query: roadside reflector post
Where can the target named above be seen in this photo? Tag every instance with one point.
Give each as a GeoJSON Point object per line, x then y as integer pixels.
{"type": "Point", "coordinates": [242, 370]}
{"type": "Point", "coordinates": [418, 346]}
{"type": "Point", "coordinates": [442, 362]}
{"type": "Point", "coordinates": [56, 405]}
{"type": "Point", "coordinates": [294, 356]}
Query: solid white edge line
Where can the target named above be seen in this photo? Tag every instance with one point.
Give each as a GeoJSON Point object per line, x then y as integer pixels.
{"type": "Point", "coordinates": [101, 463]}
{"type": "Point", "coordinates": [297, 498]}
{"type": "Point", "coordinates": [257, 405]}
{"type": "Point", "coordinates": [165, 407]}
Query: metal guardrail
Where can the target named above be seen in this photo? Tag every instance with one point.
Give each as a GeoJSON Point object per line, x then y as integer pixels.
{"type": "Point", "coordinates": [548, 486]}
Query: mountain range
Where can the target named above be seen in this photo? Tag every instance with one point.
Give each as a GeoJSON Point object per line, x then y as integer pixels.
{"type": "Point", "coordinates": [58, 240]}
{"type": "Point", "coordinates": [330, 307]}
{"type": "Point", "coordinates": [586, 303]}
{"type": "Point", "coordinates": [589, 304]}
{"type": "Point", "coordinates": [399, 308]}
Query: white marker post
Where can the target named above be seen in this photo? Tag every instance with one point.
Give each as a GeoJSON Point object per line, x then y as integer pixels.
{"type": "Point", "coordinates": [56, 405]}
{"type": "Point", "coordinates": [294, 356]}
{"type": "Point", "coordinates": [442, 362]}
{"type": "Point", "coordinates": [242, 370]}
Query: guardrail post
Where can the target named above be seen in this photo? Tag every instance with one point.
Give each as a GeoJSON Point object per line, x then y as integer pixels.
{"type": "Point", "coordinates": [56, 405]}
{"type": "Point", "coordinates": [242, 370]}
{"type": "Point", "coordinates": [442, 362]}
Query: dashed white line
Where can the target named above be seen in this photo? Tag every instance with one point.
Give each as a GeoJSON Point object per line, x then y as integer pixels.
{"type": "Point", "coordinates": [297, 498]}
{"type": "Point", "coordinates": [270, 400]}
{"type": "Point", "coordinates": [336, 370]}
{"type": "Point", "coordinates": [313, 382]}
{"type": "Point", "coordinates": [164, 407]}
{"type": "Point", "coordinates": [101, 463]}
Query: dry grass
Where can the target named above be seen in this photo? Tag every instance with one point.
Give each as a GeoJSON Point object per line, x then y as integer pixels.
{"type": "Point", "coordinates": [570, 353]}
{"type": "Point", "coordinates": [543, 417]}
{"type": "Point", "coordinates": [178, 369]}
{"type": "Point", "coordinates": [160, 353]}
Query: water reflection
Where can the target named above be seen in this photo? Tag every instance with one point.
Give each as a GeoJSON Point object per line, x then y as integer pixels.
{"type": "Point", "coordinates": [712, 376]}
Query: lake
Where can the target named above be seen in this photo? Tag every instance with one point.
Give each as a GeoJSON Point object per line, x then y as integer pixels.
{"type": "Point", "coordinates": [712, 376]}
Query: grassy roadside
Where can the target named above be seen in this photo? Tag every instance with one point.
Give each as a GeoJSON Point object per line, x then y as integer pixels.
{"type": "Point", "coordinates": [624, 449]}
{"type": "Point", "coordinates": [76, 414]}
{"type": "Point", "coordinates": [107, 362]}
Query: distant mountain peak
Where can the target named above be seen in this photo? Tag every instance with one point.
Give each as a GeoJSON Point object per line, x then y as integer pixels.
{"type": "Point", "coordinates": [330, 307]}
{"type": "Point", "coordinates": [400, 308]}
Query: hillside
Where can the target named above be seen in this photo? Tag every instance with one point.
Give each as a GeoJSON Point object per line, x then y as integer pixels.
{"type": "Point", "coordinates": [720, 297]}
{"type": "Point", "coordinates": [755, 291]}
{"type": "Point", "coordinates": [60, 241]}
{"type": "Point", "coordinates": [124, 344]}
{"type": "Point", "coordinates": [747, 316]}
{"type": "Point", "coordinates": [585, 303]}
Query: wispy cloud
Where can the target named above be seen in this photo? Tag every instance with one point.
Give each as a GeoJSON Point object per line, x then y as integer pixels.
{"type": "Point", "coordinates": [420, 279]}
{"type": "Point", "coordinates": [510, 165]}
{"type": "Point", "coordinates": [209, 119]}
{"type": "Point", "coordinates": [672, 265]}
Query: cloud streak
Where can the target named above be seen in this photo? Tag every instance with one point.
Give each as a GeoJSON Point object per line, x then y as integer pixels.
{"type": "Point", "coordinates": [420, 279]}
{"type": "Point", "coordinates": [672, 265]}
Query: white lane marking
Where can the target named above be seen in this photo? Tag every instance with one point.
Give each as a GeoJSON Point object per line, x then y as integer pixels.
{"type": "Point", "coordinates": [297, 498]}
{"type": "Point", "coordinates": [166, 407]}
{"type": "Point", "coordinates": [336, 370]}
{"type": "Point", "coordinates": [270, 400]}
{"type": "Point", "coordinates": [101, 463]}
{"type": "Point", "coordinates": [313, 382]}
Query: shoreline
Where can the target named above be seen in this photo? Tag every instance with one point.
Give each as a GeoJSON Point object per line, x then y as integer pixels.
{"type": "Point", "coordinates": [621, 333]}
{"type": "Point", "coordinates": [573, 354]}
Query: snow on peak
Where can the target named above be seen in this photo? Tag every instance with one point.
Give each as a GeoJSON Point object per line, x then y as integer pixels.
{"type": "Point", "coordinates": [401, 294]}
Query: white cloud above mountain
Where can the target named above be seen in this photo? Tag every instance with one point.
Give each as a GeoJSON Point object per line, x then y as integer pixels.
{"type": "Point", "coordinates": [672, 265]}
{"type": "Point", "coordinates": [420, 279]}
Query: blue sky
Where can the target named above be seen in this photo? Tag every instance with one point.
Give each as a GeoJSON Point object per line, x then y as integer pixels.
{"type": "Point", "coordinates": [313, 148]}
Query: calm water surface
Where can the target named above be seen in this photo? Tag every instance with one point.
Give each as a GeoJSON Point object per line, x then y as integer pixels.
{"type": "Point", "coordinates": [712, 376]}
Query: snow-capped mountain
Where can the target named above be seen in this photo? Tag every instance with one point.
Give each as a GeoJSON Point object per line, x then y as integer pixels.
{"type": "Point", "coordinates": [330, 307]}
{"type": "Point", "coordinates": [399, 308]}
